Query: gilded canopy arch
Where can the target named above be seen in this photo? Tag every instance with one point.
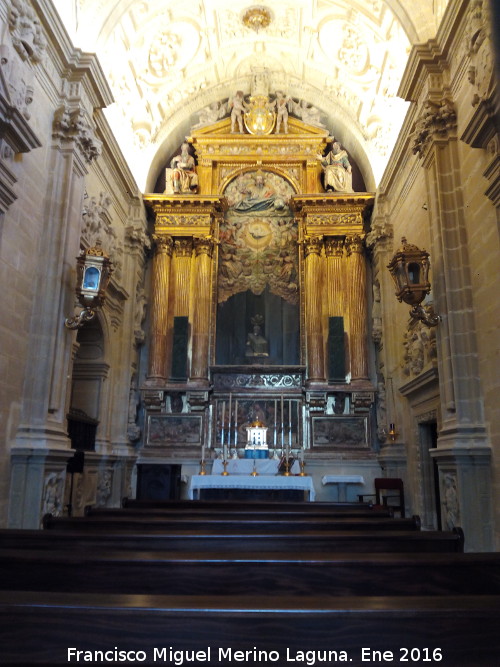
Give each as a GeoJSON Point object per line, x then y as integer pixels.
{"type": "Point", "coordinates": [288, 173]}
{"type": "Point", "coordinates": [258, 237]}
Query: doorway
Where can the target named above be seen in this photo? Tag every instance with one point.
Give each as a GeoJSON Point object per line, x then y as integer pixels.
{"type": "Point", "coordinates": [431, 510]}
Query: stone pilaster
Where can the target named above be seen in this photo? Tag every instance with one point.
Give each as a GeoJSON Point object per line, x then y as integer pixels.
{"type": "Point", "coordinates": [462, 453]}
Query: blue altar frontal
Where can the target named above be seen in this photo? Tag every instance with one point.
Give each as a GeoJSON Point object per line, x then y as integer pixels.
{"type": "Point", "coordinates": [256, 453]}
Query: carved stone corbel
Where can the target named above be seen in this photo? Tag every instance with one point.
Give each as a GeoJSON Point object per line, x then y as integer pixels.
{"type": "Point", "coordinates": [72, 124]}
{"type": "Point", "coordinates": [26, 32]}
{"type": "Point", "coordinates": [437, 121]}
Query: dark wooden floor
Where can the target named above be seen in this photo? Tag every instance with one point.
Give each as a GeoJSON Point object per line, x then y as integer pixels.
{"type": "Point", "coordinates": [304, 583]}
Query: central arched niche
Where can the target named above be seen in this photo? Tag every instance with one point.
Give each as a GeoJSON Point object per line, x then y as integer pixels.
{"type": "Point", "coordinates": [258, 273]}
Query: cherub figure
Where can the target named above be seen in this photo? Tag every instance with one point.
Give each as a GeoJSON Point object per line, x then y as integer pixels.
{"type": "Point", "coordinates": [237, 106]}
{"type": "Point", "coordinates": [281, 105]}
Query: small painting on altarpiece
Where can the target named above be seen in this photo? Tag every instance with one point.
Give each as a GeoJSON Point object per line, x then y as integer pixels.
{"type": "Point", "coordinates": [174, 430]}
{"type": "Point", "coordinates": [339, 433]}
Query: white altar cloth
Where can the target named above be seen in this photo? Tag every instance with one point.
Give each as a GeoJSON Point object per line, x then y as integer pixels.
{"type": "Point", "coordinates": [342, 481]}
{"type": "Point", "coordinates": [246, 466]}
{"type": "Point", "coordinates": [198, 482]}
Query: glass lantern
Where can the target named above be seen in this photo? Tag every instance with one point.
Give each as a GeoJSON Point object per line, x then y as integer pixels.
{"type": "Point", "coordinates": [93, 271]}
{"type": "Point", "coordinates": [409, 269]}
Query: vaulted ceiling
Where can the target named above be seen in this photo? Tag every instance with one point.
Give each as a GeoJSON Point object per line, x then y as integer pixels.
{"type": "Point", "coordinates": [167, 60]}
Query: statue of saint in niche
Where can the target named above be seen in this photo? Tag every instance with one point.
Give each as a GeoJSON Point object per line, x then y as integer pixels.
{"type": "Point", "coordinates": [337, 170]}
{"type": "Point", "coordinates": [257, 346]}
{"type": "Point", "coordinates": [182, 178]}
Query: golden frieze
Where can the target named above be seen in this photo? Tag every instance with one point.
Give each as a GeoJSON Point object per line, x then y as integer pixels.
{"type": "Point", "coordinates": [183, 215]}
{"type": "Point", "coordinates": [335, 219]}
{"type": "Point", "coordinates": [183, 220]}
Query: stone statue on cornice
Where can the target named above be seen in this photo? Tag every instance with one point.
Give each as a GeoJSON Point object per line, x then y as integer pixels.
{"type": "Point", "coordinates": [308, 114]}
{"type": "Point", "coordinates": [237, 106]}
{"type": "Point", "coordinates": [211, 114]}
{"type": "Point", "coordinates": [337, 170]}
{"type": "Point", "coordinates": [182, 176]}
{"type": "Point", "coordinates": [280, 106]}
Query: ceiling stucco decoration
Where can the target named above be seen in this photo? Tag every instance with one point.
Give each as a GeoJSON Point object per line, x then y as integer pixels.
{"type": "Point", "coordinates": [257, 18]}
{"type": "Point", "coordinates": [166, 61]}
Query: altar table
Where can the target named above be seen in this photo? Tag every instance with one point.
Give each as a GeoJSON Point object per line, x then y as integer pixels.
{"type": "Point", "coordinates": [342, 481]}
{"type": "Point", "coordinates": [274, 482]}
{"type": "Point", "coordinates": [246, 466]}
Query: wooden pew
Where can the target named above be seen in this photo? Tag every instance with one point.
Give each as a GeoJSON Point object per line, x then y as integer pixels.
{"type": "Point", "coordinates": [306, 541]}
{"type": "Point", "coordinates": [221, 524]}
{"type": "Point", "coordinates": [240, 515]}
{"type": "Point", "coordinates": [247, 506]}
{"type": "Point", "coordinates": [185, 573]}
{"type": "Point", "coordinates": [39, 627]}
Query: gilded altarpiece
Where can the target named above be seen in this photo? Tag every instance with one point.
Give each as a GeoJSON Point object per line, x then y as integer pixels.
{"type": "Point", "coordinates": [260, 253]}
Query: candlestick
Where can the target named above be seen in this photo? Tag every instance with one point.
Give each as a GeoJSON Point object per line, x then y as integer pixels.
{"type": "Point", "coordinates": [290, 423]}
{"type": "Point", "coordinates": [229, 421]}
{"type": "Point", "coordinates": [297, 435]}
{"type": "Point", "coordinates": [236, 423]}
{"type": "Point", "coordinates": [222, 421]}
{"type": "Point", "coordinates": [275, 422]}
{"type": "Point", "coordinates": [203, 452]}
{"type": "Point", "coordinates": [282, 424]}
{"type": "Point", "coordinates": [287, 467]}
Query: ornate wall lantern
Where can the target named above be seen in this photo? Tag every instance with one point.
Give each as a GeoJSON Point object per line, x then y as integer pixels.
{"type": "Point", "coordinates": [93, 273]}
{"type": "Point", "coordinates": [409, 269]}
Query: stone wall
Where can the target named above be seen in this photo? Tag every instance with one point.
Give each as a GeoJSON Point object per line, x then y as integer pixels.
{"type": "Point", "coordinates": [439, 192]}
{"type": "Point", "coordinates": [64, 184]}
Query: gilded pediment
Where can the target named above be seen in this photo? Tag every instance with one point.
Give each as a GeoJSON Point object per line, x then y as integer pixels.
{"type": "Point", "coordinates": [223, 127]}
{"type": "Point", "coordinates": [222, 154]}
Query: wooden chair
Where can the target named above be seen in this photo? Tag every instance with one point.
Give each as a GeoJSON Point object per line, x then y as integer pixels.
{"type": "Point", "coordinates": [384, 484]}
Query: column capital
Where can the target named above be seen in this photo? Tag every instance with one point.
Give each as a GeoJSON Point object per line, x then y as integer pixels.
{"type": "Point", "coordinates": [164, 244]}
{"type": "Point", "coordinates": [354, 244]}
{"type": "Point", "coordinates": [313, 245]}
{"type": "Point", "coordinates": [334, 247]}
{"type": "Point", "coordinates": [203, 245]}
{"type": "Point", "coordinates": [183, 247]}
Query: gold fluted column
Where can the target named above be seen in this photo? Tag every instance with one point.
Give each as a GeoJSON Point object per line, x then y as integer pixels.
{"type": "Point", "coordinates": [180, 287]}
{"type": "Point", "coordinates": [159, 309]}
{"type": "Point", "coordinates": [181, 269]}
{"type": "Point", "coordinates": [202, 308]}
{"type": "Point", "coordinates": [357, 308]}
{"type": "Point", "coordinates": [334, 251]}
{"type": "Point", "coordinates": [313, 267]}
